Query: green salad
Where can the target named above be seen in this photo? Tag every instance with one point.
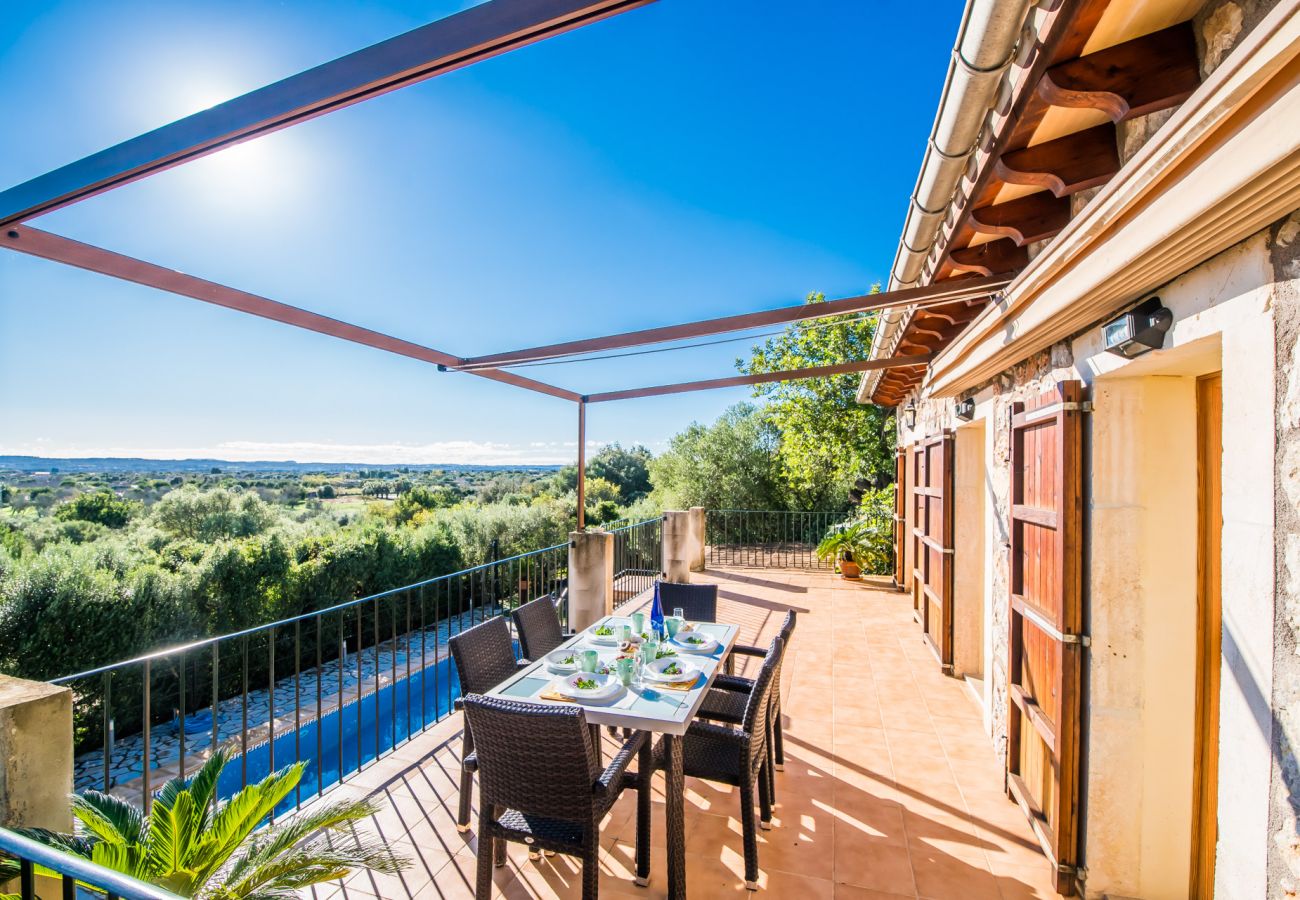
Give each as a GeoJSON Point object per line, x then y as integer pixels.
{"type": "Point", "coordinates": [603, 630]}
{"type": "Point", "coordinates": [673, 669]}
{"type": "Point", "coordinates": [569, 660]}
{"type": "Point", "coordinates": [665, 652]}
{"type": "Point", "coordinates": [693, 639]}
{"type": "Point", "coordinates": [585, 684]}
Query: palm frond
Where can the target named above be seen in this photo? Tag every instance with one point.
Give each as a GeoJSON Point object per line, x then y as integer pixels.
{"type": "Point", "coordinates": [238, 817]}
{"type": "Point", "coordinates": [68, 843]}
{"type": "Point", "coordinates": [284, 837]}
{"type": "Point", "coordinates": [109, 818]}
{"type": "Point", "coordinates": [172, 837]}
{"type": "Point", "coordinates": [302, 868]}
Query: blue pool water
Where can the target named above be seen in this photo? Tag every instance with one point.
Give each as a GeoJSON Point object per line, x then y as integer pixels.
{"type": "Point", "coordinates": [348, 738]}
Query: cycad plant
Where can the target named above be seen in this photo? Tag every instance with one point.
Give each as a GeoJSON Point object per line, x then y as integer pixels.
{"type": "Point", "coordinates": [195, 846]}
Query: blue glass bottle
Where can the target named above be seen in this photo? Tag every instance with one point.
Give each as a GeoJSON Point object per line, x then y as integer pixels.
{"type": "Point", "coordinates": [657, 615]}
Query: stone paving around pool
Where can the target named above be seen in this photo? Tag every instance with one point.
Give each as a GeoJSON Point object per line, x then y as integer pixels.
{"type": "Point", "coordinates": [376, 671]}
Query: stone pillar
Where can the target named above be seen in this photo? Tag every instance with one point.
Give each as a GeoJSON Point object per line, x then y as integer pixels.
{"type": "Point", "coordinates": [35, 754]}
{"type": "Point", "coordinates": [697, 538]}
{"type": "Point", "coordinates": [591, 577]}
{"type": "Point", "coordinates": [677, 546]}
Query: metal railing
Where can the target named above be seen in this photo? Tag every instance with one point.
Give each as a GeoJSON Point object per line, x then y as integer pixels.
{"type": "Point", "coordinates": [777, 539]}
{"type": "Point", "coordinates": [334, 689]}
{"type": "Point", "coordinates": [638, 556]}
{"type": "Point", "coordinates": [76, 875]}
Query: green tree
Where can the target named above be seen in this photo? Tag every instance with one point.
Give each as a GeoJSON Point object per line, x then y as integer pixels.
{"type": "Point", "coordinates": [213, 514]}
{"type": "Point", "coordinates": [828, 439]}
{"type": "Point", "coordinates": [628, 469]}
{"type": "Point", "coordinates": [195, 847]}
{"type": "Point", "coordinates": [421, 498]}
{"type": "Point", "coordinates": [102, 508]}
{"type": "Point", "coordinates": [731, 464]}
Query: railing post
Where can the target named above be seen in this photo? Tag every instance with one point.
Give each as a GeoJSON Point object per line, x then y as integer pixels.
{"type": "Point", "coordinates": [591, 577]}
{"type": "Point", "coordinates": [697, 538]}
{"type": "Point", "coordinates": [35, 754]}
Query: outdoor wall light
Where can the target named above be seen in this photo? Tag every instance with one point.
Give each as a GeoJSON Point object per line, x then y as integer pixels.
{"type": "Point", "coordinates": [966, 409]}
{"type": "Point", "coordinates": [1140, 330]}
{"type": "Point", "coordinates": [909, 414]}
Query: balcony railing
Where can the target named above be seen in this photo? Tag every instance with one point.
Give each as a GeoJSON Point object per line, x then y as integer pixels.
{"type": "Point", "coordinates": [771, 539]}
{"type": "Point", "coordinates": [77, 876]}
{"type": "Point", "coordinates": [334, 689]}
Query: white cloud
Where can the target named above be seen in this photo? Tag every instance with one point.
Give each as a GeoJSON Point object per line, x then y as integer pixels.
{"type": "Point", "coordinates": [462, 452]}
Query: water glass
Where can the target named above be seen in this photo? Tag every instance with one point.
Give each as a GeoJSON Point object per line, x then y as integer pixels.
{"type": "Point", "coordinates": [638, 623]}
{"type": "Point", "coordinates": [649, 650]}
{"type": "Point", "coordinates": [626, 667]}
{"type": "Point", "coordinates": [679, 613]}
{"type": "Point", "coordinates": [624, 633]}
{"type": "Point", "coordinates": [673, 623]}
{"type": "Point", "coordinates": [588, 660]}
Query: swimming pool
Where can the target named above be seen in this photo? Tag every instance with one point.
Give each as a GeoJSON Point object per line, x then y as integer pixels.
{"type": "Point", "coordinates": [344, 740]}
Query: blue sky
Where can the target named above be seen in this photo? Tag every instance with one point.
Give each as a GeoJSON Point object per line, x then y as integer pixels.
{"type": "Point", "coordinates": [690, 159]}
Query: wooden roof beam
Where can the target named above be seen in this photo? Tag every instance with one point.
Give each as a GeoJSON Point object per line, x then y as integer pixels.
{"type": "Point", "coordinates": [991, 258]}
{"type": "Point", "coordinates": [1025, 219]}
{"type": "Point", "coordinates": [1066, 165]}
{"type": "Point", "coordinates": [1144, 75]}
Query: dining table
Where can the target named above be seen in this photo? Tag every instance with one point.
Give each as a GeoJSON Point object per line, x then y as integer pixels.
{"type": "Point", "coordinates": [645, 705]}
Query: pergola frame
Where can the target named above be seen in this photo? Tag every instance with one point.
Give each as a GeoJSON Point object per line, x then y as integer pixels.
{"type": "Point", "coordinates": [477, 33]}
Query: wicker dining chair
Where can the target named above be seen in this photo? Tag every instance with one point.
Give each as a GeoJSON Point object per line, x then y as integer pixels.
{"type": "Point", "coordinates": [729, 695]}
{"type": "Point", "coordinates": [484, 657]}
{"type": "Point", "coordinates": [537, 623]}
{"type": "Point", "coordinates": [541, 784]}
{"type": "Point", "coordinates": [698, 602]}
{"type": "Point", "coordinates": [738, 757]}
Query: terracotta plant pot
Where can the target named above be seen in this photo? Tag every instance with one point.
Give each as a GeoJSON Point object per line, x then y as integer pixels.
{"type": "Point", "coordinates": [849, 569]}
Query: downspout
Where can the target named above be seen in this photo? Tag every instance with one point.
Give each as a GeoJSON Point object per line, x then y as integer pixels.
{"type": "Point", "coordinates": [986, 46]}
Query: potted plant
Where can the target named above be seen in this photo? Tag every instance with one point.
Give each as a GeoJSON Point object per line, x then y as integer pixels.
{"type": "Point", "coordinates": [845, 543]}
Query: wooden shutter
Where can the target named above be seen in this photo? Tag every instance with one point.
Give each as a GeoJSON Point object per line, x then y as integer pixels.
{"type": "Point", "coordinates": [1046, 619]}
{"type": "Point", "coordinates": [900, 521]}
{"type": "Point", "coordinates": [932, 586]}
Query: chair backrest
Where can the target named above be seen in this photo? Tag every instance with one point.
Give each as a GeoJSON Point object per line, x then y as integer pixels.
{"type": "Point", "coordinates": [484, 655]}
{"type": "Point", "coordinates": [538, 625]}
{"type": "Point", "coordinates": [535, 758]}
{"type": "Point", "coordinates": [756, 709]}
{"type": "Point", "coordinates": [699, 602]}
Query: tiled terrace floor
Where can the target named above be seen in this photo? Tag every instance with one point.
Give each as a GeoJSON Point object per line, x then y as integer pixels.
{"type": "Point", "coordinates": [890, 789]}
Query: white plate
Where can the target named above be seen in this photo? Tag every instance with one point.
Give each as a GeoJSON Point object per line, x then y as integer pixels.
{"type": "Point", "coordinates": [604, 640]}
{"type": "Point", "coordinates": [654, 671]}
{"type": "Point", "coordinates": [554, 661]}
{"type": "Point", "coordinates": [606, 686]}
{"type": "Point", "coordinates": [679, 641]}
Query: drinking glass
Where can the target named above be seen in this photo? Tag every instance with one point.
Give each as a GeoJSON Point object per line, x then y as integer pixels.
{"type": "Point", "coordinates": [626, 666]}
{"type": "Point", "coordinates": [588, 660]}
{"type": "Point", "coordinates": [679, 613]}
{"type": "Point", "coordinates": [673, 623]}
{"type": "Point", "coordinates": [624, 633]}
{"type": "Point", "coordinates": [638, 623]}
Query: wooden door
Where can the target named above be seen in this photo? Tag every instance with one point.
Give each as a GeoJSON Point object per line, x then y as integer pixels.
{"type": "Point", "coordinates": [1046, 619]}
{"type": "Point", "coordinates": [900, 518]}
{"type": "Point", "coordinates": [1205, 768]}
{"type": "Point", "coordinates": [932, 590]}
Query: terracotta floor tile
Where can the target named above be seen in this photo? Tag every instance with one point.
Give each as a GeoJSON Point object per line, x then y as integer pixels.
{"type": "Point", "coordinates": [943, 877]}
{"type": "Point", "coordinates": [873, 864]}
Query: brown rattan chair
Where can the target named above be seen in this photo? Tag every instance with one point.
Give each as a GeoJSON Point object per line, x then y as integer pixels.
{"type": "Point", "coordinates": [727, 699]}
{"type": "Point", "coordinates": [738, 757]}
{"type": "Point", "coordinates": [484, 657]}
{"type": "Point", "coordinates": [541, 784]}
{"type": "Point", "coordinates": [537, 623]}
